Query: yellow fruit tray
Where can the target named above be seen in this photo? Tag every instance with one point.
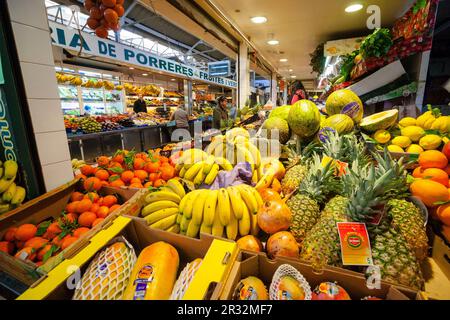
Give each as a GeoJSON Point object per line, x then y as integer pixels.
{"type": "Point", "coordinates": [218, 257]}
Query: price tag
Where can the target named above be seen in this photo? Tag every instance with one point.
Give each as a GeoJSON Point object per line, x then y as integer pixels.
{"type": "Point", "coordinates": [355, 244]}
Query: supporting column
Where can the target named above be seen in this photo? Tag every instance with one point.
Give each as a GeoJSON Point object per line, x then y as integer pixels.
{"type": "Point", "coordinates": [32, 37]}
{"type": "Point", "coordinates": [285, 95]}
{"type": "Point", "coordinates": [274, 89]}
{"type": "Point", "coordinates": [188, 103]}
{"type": "Point", "coordinates": [244, 75]}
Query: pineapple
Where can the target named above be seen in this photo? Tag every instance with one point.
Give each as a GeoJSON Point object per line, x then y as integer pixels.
{"type": "Point", "coordinates": [295, 172]}
{"type": "Point", "coordinates": [408, 219]}
{"type": "Point", "coordinates": [305, 205]}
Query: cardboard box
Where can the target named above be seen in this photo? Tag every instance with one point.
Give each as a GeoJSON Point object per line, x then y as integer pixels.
{"type": "Point", "coordinates": [250, 264]}
{"type": "Point", "coordinates": [218, 257]}
{"type": "Point", "coordinates": [47, 207]}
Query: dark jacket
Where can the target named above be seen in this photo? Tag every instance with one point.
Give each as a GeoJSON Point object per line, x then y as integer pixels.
{"type": "Point", "coordinates": [139, 106]}
{"type": "Point", "coordinates": [218, 115]}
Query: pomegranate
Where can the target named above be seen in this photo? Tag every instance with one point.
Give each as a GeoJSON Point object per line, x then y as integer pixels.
{"type": "Point", "coordinates": [274, 216]}
{"type": "Point", "coordinates": [282, 244]}
{"type": "Point", "coordinates": [249, 243]}
{"type": "Point", "coordinates": [268, 194]}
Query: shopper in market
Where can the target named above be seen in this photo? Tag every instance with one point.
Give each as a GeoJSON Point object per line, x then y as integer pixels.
{"type": "Point", "coordinates": [181, 118]}
{"type": "Point", "coordinates": [140, 105]}
{"type": "Point", "coordinates": [298, 92]}
{"type": "Point", "coordinates": [220, 112]}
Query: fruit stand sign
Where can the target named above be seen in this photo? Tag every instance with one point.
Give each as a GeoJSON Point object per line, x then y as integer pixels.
{"type": "Point", "coordinates": [355, 244]}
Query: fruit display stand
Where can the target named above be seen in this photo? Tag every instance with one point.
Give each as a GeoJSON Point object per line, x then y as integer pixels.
{"type": "Point", "coordinates": [45, 208]}
{"type": "Point", "coordinates": [258, 265]}
{"type": "Point", "coordinates": [217, 255]}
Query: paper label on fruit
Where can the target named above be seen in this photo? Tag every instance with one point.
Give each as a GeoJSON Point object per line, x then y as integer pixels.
{"type": "Point", "coordinates": [355, 244]}
{"type": "Point", "coordinates": [352, 109]}
{"type": "Point", "coordinates": [143, 278]}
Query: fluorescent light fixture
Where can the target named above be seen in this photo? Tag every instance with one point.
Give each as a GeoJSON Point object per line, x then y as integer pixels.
{"type": "Point", "coordinates": [172, 79]}
{"type": "Point", "coordinates": [145, 74]}
{"type": "Point", "coordinates": [293, 77]}
{"type": "Point", "coordinates": [273, 42]}
{"type": "Point", "coordinates": [131, 68]}
{"type": "Point", "coordinates": [354, 7]}
{"type": "Point", "coordinates": [284, 60]}
{"type": "Point", "coordinates": [290, 70]}
{"type": "Point", "coordinates": [259, 20]}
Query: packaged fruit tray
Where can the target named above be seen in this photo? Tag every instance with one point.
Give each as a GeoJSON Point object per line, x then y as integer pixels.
{"type": "Point", "coordinates": [42, 233]}
{"type": "Point", "coordinates": [331, 284]}
{"type": "Point", "coordinates": [200, 266]}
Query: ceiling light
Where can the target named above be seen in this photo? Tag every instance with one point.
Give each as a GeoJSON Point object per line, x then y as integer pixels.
{"type": "Point", "coordinates": [145, 74]}
{"type": "Point", "coordinates": [284, 60]}
{"type": "Point", "coordinates": [273, 42]}
{"type": "Point", "coordinates": [354, 7]}
{"type": "Point", "coordinates": [172, 79]}
{"type": "Point", "coordinates": [293, 77]}
{"type": "Point", "coordinates": [259, 20]}
{"type": "Point", "coordinates": [131, 68]}
{"type": "Point", "coordinates": [290, 70]}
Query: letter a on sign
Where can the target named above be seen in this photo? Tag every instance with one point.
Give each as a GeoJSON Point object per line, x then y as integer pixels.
{"type": "Point", "coordinates": [374, 20]}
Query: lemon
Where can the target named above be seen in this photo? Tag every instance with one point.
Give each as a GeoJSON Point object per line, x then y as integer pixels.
{"type": "Point", "coordinates": [382, 136]}
{"type": "Point", "coordinates": [430, 142]}
{"type": "Point", "coordinates": [394, 148]}
{"type": "Point", "coordinates": [424, 118]}
{"type": "Point", "coordinates": [445, 139]}
{"type": "Point", "coordinates": [401, 141]}
{"type": "Point", "coordinates": [441, 124]}
{"type": "Point", "coordinates": [408, 121]}
{"type": "Point", "coordinates": [413, 132]}
{"type": "Point", "coordinates": [414, 148]}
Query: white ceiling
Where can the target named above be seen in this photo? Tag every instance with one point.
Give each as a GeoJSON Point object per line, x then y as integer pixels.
{"type": "Point", "coordinates": [300, 25]}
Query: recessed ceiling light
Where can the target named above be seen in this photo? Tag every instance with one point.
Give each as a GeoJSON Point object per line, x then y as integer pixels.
{"type": "Point", "coordinates": [131, 68]}
{"type": "Point", "coordinates": [293, 77]}
{"type": "Point", "coordinates": [284, 60]}
{"type": "Point", "coordinates": [259, 20]}
{"type": "Point", "coordinates": [273, 42]}
{"type": "Point", "coordinates": [354, 7]}
{"type": "Point", "coordinates": [172, 79]}
{"type": "Point", "coordinates": [290, 70]}
{"type": "Point", "coordinates": [145, 74]}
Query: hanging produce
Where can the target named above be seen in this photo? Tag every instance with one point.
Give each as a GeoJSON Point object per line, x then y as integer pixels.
{"type": "Point", "coordinates": [104, 15]}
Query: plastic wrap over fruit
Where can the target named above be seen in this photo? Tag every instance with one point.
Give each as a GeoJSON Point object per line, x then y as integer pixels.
{"type": "Point", "coordinates": [289, 284]}
{"type": "Point", "coordinates": [241, 173]}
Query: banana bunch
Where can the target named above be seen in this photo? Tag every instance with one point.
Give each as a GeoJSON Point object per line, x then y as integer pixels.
{"type": "Point", "coordinates": [198, 167]}
{"type": "Point", "coordinates": [77, 164]}
{"type": "Point", "coordinates": [162, 207]}
{"type": "Point", "coordinates": [228, 211]}
{"type": "Point", "coordinates": [12, 195]}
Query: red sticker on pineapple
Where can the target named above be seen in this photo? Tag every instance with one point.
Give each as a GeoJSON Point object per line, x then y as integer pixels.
{"type": "Point", "coordinates": [352, 109]}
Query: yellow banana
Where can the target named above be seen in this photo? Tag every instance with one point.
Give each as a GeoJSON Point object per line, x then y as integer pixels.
{"type": "Point", "coordinates": [1, 172]}
{"type": "Point", "coordinates": [249, 199]}
{"type": "Point", "coordinates": [178, 167]}
{"type": "Point", "coordinates": [198, 180]}
{"type": "Point", "coordinates": [245, 223]}
{"type": "Point", "coordinates": [160, 215]}
{"type": "Point", "coordinates": [157, 206]}
{"type": "Point", "coordinates": [174, 229]}
{"type": "Point", "coordinates": [212, 174]}
{"type": "Point", "coordinates": [193, 229]}
{"type": "Point", "coordinates": [217, 227]}
{"type": "Point", "coordinates": [191, 173]}
{"type": "Point", "coordinates": [216, 141]}
{"type": "Point", "coordinates": [255, 176]}
{"type": "Point", "coordinates": [243, 155]}
{"type": "Point", "coordinates": [209, 209]}
{"type": "Point", "coordinates": [5, 208]}
{"type": "Point", "coordinates": [11, 168]}
{"type": "Point", "coordinates": [208, 165]}
{"type": "Point", "coordinates": [205, 229]}
{"type": "Point", "coordinates": [179, 217]}
{"type": "Point", "coordinates": [224, 163]}
{"type": "Point", "coordinates": [182, 204]}
{"type": "Point", "coordinates": [5, 183]}
{"type": "Point", "coordinates": [9, 193]}
{"type": "Point", "coordinates": [184, 223]}
{"type": "Point", "coordinates": [266, 180]}
{"type": "Point", "coordinates": [236, 202]}
{"type": "Point", "coordinates": [182, 172]}
{"type": "Point", "coordinates": [257, 196]}
{"type": "Point", "coordinates": [199, 205]}
{"type": "Point", "coordinates": [255, 153]}
{"type": "Point", "coordinates": [176, 187]}
{"type": "Point", "coordinates": [192, 156]}
{"type": "Point", "coordinates": [232, 227]}
{"type": "Point", "coordinates": [254, 229]}
{"type": "Point", "coordinates": [162, 195]}
{"type": "Point", "coordinates": [165, 223]}
{"type": "Point", "coordinates": [223, 204]}
{"type": "Point", "coordinates": [189, 206]}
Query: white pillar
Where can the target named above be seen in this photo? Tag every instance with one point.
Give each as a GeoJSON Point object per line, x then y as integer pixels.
{"type": "Point", "coordinates": [244, 75]}
{"type": "Point", "coordinates": [285, 97]}
{"type": "Point", "coordinates": [274, 89]}
{"type": "Point", "coordinates": [188, 101]}
{"type": "Point", "coordinates": [32, 37]}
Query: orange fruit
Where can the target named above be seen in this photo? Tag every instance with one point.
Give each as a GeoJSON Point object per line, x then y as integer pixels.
{"type": "Point", "coordinates": [92, 184]}
{"type": "Point", "coordinates": [93, 196]}
{"type": "Point", "coordinates": [163, 159]}
{"type": "Point", "coordinates": [135, 180]}
{"type": "Point", "coordinates": [447, 169]}
{"type": "Point", "coordinates": [25, 232]}
{"type": "Point", "coordinates": [433, 159]}
{"type": "Point", "coordinates": [102, 174]}
{"type": "Point", "coordinates": [437, 175]}
{"type": "Point", "coordinates": [119, 158]}
{"type": "Point", "coordinates": [152, 167]}
{"type": "Point", "coordinates": [80, 176]}
{"type": "Point", "coordinates": [276, 185]}
{"type": "Point", "coordinates": [41, 253]}
{"type": "Point", "coordinates": [159, 183]}
{"type": "Point", "coordinates": [67, 241]}
{"type": "Point", "coordinates": [103, 212]}
{"type": "Point", "coordinates": [27, 252]}
{"type": "Point", "coordinates": [167, 172]}
{"type": "Point", "coordinates": [86, 218]}
{"type": "Point", "coordinates": [138, 163]}
{"type": "Point", "coordinates": [443, 213]}
{"type": "Point", "coordinates": [84, 205]}
{"type": "Point", "coordinates": [102, 161]}
{"type": "Point", "coordinates": [57, 241]}
{"type": "Point", "coordinates": [70, 218]}
{"type": "Point", "coordinates": [87, 170]}
{"type": "Point", "coordinates": [136, 185]}
{"type": "Point", "coordinates": [54, 228]}
{"type": "Point", "coordinates": [10, 234]}
{"type": "Point", "coordinates": [95, 208]}
{"type": "Point", "coordinates": [141, 174]}
{"type": "Point", "coordinates": [80, 231]}
{"type": "Point", "coordinates": [36, 243]}
{"type": "Point", "coordinates": [153, 177]}
{"type": "Point", "coordinates": [148, 184]}
{"type": "Point", "coordinates": [19, 244]}
{"type": "Point", "coordinates": [72, 207]}
{"type": "Point", "coordinates": [418, 172]}
{"type": "Point", "coordinates": [429, 191]}
{"type": "Point", "coordinates": [117, 183]}
{"type": "Point", "coordinates": [7, 247]}
{"type": "Point", "coordinates": [109, 200]}
{"type": "Point", "coordinates": [97, 221]}
{"type": "Point", "coordinates": [76, 196]}
{"type": "Point", "coordinates": [114, 208]}
{"type": "Point", "coordinates": [126, 176]}
{"type": "Point", "coordinates": [115, 168]}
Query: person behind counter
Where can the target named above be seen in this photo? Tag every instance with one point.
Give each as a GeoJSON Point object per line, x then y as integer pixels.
{"type": "Point", "coordinates": [220, 113]}
{"type": "Point", "coordinates": [140, 105]}
{"type": "Point", "coordinates": [181, 118]}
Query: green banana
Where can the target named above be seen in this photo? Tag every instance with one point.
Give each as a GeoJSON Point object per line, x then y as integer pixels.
{"type": "Point", "coordinates": [9, 193]}
{"type": "Point", "coordinates": [19, 196]}
{"type": "Point", "coordinates": [4, 208]}
{"type": "Point", "coordinates": [11, 168]}
{"type": "Point", "coordinates": [5, 183]}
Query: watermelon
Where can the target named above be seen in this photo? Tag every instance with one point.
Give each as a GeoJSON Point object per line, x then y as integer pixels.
{"type": "Point", "coordinates": [340, 122]}
{"type": "Point", "coordinates": [304, 119]}
{"type": "Point", "coordinates": [280, 112]}
{"type": "Point", "coordinates": [345, 102]}
{"type": "Point", "coordinates": [379, 121]}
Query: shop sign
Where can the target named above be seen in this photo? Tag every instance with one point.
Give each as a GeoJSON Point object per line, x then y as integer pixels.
{"type": "Point", "coordinates": [5, 130]}
{"type": "Point", "coordinates": [72, 39]}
